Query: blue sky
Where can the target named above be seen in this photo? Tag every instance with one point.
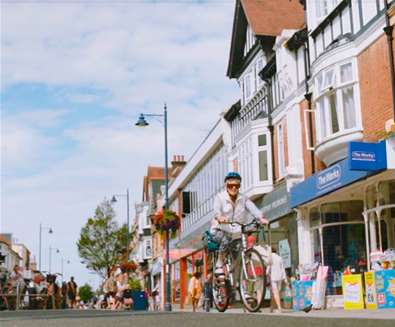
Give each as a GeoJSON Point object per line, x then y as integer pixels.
{"type": "Point", "coordinates": [74, 77]}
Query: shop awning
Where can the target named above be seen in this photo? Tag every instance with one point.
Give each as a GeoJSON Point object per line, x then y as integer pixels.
{"type": "Point", "coordinates": [326, 181]}
{"type": "Point", "coordinates": [276, 203]}
{"type": "Point", "coordinates": [156, 267]}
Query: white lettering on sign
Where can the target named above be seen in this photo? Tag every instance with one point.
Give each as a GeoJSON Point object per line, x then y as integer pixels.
{"type": "Point", "coordinates": [363, 156]}
{"type": "Point", "coordinates": [329, 177]}
{"type": "Point", "coordinates": [275, 204]}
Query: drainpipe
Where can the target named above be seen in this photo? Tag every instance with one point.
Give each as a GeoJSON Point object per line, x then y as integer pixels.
{"type": "Point", "coordinates": [270, 123]}
{"type": "Point", "coordinates": [308, 96]}
{"type": "Point", "coordinates": [388, 31]}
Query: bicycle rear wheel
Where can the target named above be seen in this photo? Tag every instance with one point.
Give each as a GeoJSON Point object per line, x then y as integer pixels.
{"type": "Point", "coordinates": [221, 289]}
{"type": "Point", "coordinates": [253, 281]}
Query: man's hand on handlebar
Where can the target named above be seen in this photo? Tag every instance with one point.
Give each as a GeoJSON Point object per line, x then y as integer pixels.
{"type": "Point", "coordinates": [222, 219]}
{"type": "Point", "coordinates": [263, 221]}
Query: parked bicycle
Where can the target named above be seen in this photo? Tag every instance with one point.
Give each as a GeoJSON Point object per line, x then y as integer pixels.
{"type": "Point", "coordinates": [244, 269]}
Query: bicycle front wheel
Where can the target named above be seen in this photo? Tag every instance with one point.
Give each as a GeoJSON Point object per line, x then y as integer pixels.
{"type": "Point", "coordinates": [252, 280]}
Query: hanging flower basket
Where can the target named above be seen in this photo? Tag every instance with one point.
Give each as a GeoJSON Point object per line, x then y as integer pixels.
{"type": "Point", "coordinates": [166, 221]}
{"type": "Point", "coordinates": [130, 266]}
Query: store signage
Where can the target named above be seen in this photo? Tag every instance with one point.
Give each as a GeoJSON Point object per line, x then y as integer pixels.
{"type": "Point", "coordinates": [329, 177]}
{"type": "Point", "coordinates": [285, 252]}
{"type": "Point", "coordinates": [352, 292]}
{"type": "Point", "coordinates": [276, 203]}
{"type": "Point", "coordinates": [367, 156]}
{"type": "Point", "coordinates": [326, 181]}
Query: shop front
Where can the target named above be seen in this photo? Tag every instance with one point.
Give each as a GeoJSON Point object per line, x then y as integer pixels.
{"type": "Point", "coordinates": [282, 226]}
{"type": "Point", "coordinates": [346, 216]}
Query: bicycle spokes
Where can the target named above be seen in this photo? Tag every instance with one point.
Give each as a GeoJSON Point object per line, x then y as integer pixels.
{"type": "Point", "coordinates": [252, 280]}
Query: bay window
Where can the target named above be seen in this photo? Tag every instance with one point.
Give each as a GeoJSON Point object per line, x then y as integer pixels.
{"type": "Point", "coordinates": [262, 157]}
{"type": "Point", "coordinates": [335, 99]}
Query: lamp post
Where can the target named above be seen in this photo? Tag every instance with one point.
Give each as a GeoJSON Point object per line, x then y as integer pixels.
{"type": "Point", "coordinates": [142, 123]}
{"type": "Point", "coordinates": [113, 200]}
{"type": "Point", "coordinates": [62, 260]}
{"type": "Point", "coordinates": [50, 231]}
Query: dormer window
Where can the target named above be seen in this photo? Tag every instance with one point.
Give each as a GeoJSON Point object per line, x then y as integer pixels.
{"type": "Point", "coordinates": [324, 7]}
{"type": "Point", "coordinates": [250, 40]}
{"type": "Point", "coordinates": [258, 68]}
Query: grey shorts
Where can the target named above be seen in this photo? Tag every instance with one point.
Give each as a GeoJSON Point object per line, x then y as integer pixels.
{"type": "Point", "coordinates": [223, 238]}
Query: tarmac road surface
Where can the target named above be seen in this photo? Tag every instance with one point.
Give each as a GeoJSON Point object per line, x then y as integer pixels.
{"type": "Point", "coordinates": [85, 318]}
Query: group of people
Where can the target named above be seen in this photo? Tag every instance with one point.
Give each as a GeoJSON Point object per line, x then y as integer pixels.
{"type": "Point", "coordinates": [116, 291]}
{"type": "Point", "coordinates": [39, 292]}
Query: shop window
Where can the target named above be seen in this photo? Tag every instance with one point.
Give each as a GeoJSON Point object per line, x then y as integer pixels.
{"type": "Point", "coordinates": [315, 233]}
{"type": "Point", "coordinates": [387, 192]}
{"type": "Point", "coordinates": [337, 212]}
{"type": "Point", "coordinates": [371, 196]}
{"type": "Point", "coordinates": [341, 243]}
{"type": "Point", "coordinates": [283, 234]}
{"type": "Point", "coordinates": [343, 246]}
{"type": "Point", "coordinates": [384, 238]}
{"type": "Point", "coordinates": [314, 217]}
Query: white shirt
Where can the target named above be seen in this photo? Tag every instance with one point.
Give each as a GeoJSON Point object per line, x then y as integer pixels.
{"type": "Point", "coordinates": [238, 211]}
{"type": "Point", "coordinates": [277, 271]}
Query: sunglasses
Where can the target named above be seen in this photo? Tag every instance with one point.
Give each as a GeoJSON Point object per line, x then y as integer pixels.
{"type": "Point", "coordinates": [237, 186]}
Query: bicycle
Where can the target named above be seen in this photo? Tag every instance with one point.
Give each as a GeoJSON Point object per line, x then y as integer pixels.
{"type": "Point", "coordinates": [251, 277]}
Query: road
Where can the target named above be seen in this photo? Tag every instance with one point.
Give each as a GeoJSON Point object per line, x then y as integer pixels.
{"type": "Point", "coordinates": [85, 318]}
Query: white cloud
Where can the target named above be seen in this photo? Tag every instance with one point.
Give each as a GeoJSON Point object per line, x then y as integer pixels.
{"type": "Point", "coordinates": [134, 57]}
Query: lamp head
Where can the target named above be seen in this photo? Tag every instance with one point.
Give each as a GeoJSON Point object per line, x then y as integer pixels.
{"type": "Point", "coordinates": [114, 199]}
{"type": "Point", "coordinates": [50, 231]}
{"type": "Point", "coordinates": [141, 122]}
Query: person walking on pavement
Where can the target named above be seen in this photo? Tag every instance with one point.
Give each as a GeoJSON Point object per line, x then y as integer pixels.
{"type": "Point", "coordinates": [208, 292]}
{"type": "Point", "coordinates": [231, 206]}
{"type": "Point", "coordinates": [72, 292]}
{"type": "Point", "coordinates": [195, 290]}
{"type": "Point", "coordinates": [277, 277]}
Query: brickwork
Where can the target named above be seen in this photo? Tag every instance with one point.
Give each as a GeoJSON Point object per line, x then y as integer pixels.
{"type": "Point", "coordinates": [375, 89]}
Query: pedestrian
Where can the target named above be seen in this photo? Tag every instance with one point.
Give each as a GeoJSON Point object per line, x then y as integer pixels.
{"type": "Point", "coordinates": [72, 292]}
{"type": "Point", "coordinates": [195, 290]}
{"type": "Point", "coordinates": [208, 292]}
{"type": "Point", "coordinates": [64, 295]}
{"type": "Point", "coordinates": [277, 277]}
{"type": "Point", "coordinates": [156, 296]}
{"type": "Point", "coordinates": [231, 206]}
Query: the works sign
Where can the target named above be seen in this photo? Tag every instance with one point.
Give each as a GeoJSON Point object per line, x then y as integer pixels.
{"type": "Point", "coordinates": [324, 182]}
{"type": "Point", "coordinates": [329, 177]}
{"type": "Point", "coordinates": [367, 156]}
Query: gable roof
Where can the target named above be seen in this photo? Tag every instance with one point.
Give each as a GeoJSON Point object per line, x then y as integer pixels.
{"type": "Point", "coordinates": [267, 18]}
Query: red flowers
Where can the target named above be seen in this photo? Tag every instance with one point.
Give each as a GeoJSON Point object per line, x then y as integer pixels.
{"type": "Point", "coordinates": [166, 220]}
{"type": "Point", "coordinates": [129, 266]}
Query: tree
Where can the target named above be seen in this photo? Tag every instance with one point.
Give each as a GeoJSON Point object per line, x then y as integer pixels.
{"type": "Point", "coordinates": [102, 242]}
{"type": "Point", "coordinates": [85, 292]}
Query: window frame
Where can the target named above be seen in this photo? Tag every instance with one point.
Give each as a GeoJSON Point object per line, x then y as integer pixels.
{"type": "Point", "coordinates": [323, 90]}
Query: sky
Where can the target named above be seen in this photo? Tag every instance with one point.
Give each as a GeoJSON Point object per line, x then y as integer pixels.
{"type": "Point", "coordinates": [75, 75]}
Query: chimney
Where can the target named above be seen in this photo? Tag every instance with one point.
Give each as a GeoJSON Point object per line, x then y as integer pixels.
{"type": "Point", "coordinates": [177, 164]}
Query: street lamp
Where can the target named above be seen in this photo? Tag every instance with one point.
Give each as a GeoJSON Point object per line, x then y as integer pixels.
{"type": "Point", "coordinates": [142, 123]}
{"type": "Point", "coordinates": [113, 200]}
{"type": "Point", "coordinates": [50, 231]}
{"type": "Point", "coordinates": [62, 261]}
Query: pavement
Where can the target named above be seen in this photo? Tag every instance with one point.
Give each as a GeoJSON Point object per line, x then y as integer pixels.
{"type": "Point", "coordinates": [382, 314]}
{"type": "Point", "coordinates": [185, 318]}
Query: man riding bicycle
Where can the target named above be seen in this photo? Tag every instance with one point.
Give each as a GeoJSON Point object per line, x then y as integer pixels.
{"type": "Point", "coordinates": [231, 206]}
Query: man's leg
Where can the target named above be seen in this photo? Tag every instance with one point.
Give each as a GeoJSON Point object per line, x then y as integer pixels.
{"type": "Point", "coordinates": [276, 293]}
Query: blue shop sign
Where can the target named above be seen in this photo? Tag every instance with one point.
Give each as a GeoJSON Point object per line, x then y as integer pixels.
{"type": "Point", "coordinates": [367, 156]}
{"type": "Point", "coordinates": [324, 182]}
